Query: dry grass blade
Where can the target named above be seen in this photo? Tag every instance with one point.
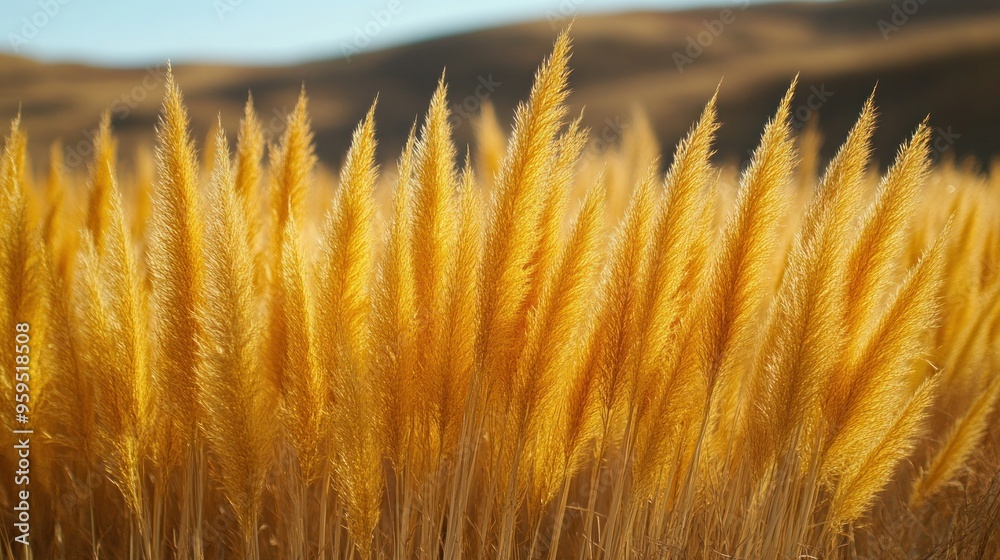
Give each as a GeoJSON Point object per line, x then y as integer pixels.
{"type": "Point", "coordinates": [875, 253]}
{"type": "Point", "coordinates": [517, 205]}
{"type": "Point", "coordinates": [101, 181]}
{"type": "Point", "coordinates": [872, 387]}
{"type": "Point", "coordinates": [746, 246]}
{"type": "Point", "coordinates": [176, 269]}
{"type": "Point", "coordinates": [959, 444]}
{"type": "Point", "coordinates": [866, 479]}
{"type": "Point", "coordinates": [346, 256]}
{"type": "Point", "coordinates": [234, 398]}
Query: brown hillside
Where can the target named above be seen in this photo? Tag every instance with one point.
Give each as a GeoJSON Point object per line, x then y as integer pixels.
{"type": "Point", "coordinates": [943, 61]}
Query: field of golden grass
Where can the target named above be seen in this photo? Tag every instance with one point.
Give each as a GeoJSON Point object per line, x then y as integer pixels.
{"type": "Point", "coordinates": [529, 350]}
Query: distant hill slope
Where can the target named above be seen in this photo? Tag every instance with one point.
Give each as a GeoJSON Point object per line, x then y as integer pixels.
{"type": "Point", "coordinates": [943, 59]}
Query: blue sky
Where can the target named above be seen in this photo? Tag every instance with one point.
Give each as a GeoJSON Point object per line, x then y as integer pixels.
{"type": "Point", "coordinates": [130, 32]}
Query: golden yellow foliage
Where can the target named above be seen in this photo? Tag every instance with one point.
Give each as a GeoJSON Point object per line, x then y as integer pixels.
{"type": "Point", "coordinates": [542, 351]}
